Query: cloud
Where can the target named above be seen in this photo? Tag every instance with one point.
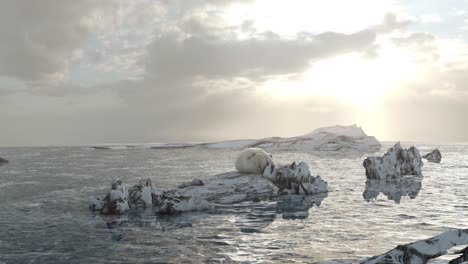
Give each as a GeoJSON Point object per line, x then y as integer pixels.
{"type": "Point", "coordinates": [200, 82]}
{"type": "Point", "coordinates": [182, 72]}
{"type": "Point", "coordinates": [430, 19]}
{"type": "Point", "coordinates": [196, 56]}
{"type": "Point", "coordinates": [41, 39]}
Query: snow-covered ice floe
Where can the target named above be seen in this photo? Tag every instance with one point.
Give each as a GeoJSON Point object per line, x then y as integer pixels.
{"type": "Point", "coordinates": [433, 156]}
{"type": "Point", "coordinates": [334, 138]}
{"type": "Point", "coordinates": [226, 188]}
{"type": "Point", "coordinates": [395, 163]}
{"type": "Point", "coordinates": [424, 250]}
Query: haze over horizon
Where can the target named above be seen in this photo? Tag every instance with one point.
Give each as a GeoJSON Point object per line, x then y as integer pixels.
{"type": "Point", "coordinates": [88, 72]}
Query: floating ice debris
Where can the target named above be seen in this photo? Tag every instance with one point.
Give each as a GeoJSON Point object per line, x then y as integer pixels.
{"type": "Point", "coordinates": [115, 202]}
{"type": "Point", "coordinates": [141, 193]}
{"type": "Point", "coordinates": [433, 156]}
{"type": "Point", "coordinates": [396, 162]}
{"type": "Point", "coordinates": [295, 179]}
{"type": "Point", "coordinates": [394, 189]}
{"type": "Point", "coordinates": [424, 250]}
{"type": "Point", "coordinates": [3, 161]}
{"type": "Point", "coordinates": [95, 204]}
{"type": "Point", "coordinates": [226, 188]}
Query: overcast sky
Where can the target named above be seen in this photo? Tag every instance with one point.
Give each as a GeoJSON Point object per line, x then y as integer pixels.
{"type": "Point", "coordinates": [88, 72]}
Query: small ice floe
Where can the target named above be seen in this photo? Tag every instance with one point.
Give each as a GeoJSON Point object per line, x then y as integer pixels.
{"type": "Point", "coordinates": [226, 188]}
{"type": "Point", "coordinates": [423, 250]}
{"type": "Point", "coordinates": [396, 162]}
{"type": "Point", "coordinates": [95, 204]}
{"type": "Point", "coordinates": [433, 156]}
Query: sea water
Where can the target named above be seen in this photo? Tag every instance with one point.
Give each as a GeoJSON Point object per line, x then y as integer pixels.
{"type": "Point", "coordinates": [44, 215]}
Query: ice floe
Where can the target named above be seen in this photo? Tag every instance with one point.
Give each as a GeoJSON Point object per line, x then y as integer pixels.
{"type": "Point", "coordinates": [396, 162]}
{"type": "Point", "coordinates": [423, 250]}
{"type": "Point", "coordinates": [226, 188]}
{"type": "Point", "coordinates": [433, 156]}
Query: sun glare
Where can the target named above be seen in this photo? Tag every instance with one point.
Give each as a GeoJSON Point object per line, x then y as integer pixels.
{"type": "Point", "coordinates": [286, 18]}
{"type": "Point", "coordinates": [351, 79]}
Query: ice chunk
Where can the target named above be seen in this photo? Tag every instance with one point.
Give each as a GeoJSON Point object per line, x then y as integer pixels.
{"type": "Point", "coordinates": [422, 251]}
{"type": "Point", "coordinates": [433, 156]}
{"type": "Point", "coordinates": [396, 162]}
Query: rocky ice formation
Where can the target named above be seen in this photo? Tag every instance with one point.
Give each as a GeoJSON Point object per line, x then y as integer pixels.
{"type": "Point", "coordinates": [395, 163]}
{"type": "Point", "coordinates": [226, 188]}
{"type": "Point", "coordinates": [335, 138]}
{"type": "Point", "coordinates": [295, 179]}
{"type": "Point", "coordinates": [433, 156]}
{"type": "Point", "coordinates": [424, 250]}
{"type": "Point", "coordinates": [393, 189]}
{"type": "Point", "coordinates": [3, 161]}
{"type": "Point", "coordinates": [115, 202]}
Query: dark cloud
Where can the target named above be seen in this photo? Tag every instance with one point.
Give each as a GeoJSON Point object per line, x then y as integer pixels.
{"type": "Point", "coordinates": [39, 38]}
{"type": "Point", "coordinates": [217, 58]}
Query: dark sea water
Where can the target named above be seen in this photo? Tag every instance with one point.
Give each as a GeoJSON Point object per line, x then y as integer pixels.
{"type": "Point", "coordinates": [44, 216]}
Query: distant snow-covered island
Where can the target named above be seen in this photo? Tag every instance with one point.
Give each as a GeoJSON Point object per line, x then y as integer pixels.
{"type": "Point", "coordinates": [334, 138]}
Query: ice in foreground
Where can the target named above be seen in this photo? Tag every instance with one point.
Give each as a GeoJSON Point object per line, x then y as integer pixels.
{"type": "Point", "coordinates": [226, 188]}
{"type": "Point", "coordinates": [422, 251]}
{"type": "Point", "coordinates": [395, 163]}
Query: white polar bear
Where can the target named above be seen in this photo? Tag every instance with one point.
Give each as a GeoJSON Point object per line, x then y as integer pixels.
{"type": "Point", "coordinates": [253, 160]}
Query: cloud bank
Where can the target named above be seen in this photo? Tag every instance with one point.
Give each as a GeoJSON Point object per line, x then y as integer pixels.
{"type": "Point", "coordinates": [147, 71]}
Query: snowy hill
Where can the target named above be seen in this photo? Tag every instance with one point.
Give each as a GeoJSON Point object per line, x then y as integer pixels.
{"type": "Point", "coordinates": [325, 139]}
{"type": "Point", "coordinates": [333, 138]}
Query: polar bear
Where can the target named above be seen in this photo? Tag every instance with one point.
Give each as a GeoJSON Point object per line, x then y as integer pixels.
{"type": "Point", "coordinates": [253, 160]}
